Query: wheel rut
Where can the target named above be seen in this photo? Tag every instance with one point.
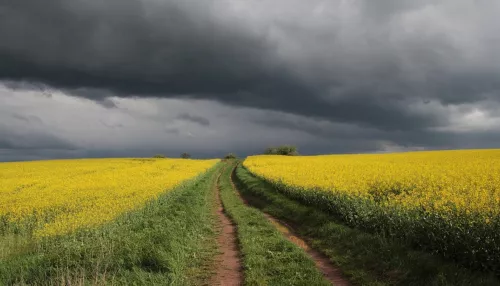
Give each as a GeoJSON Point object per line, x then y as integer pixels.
{"type": "Point", "coordinates": [323, 263]}
{"type": "Point", "coordinates": [228, 270]}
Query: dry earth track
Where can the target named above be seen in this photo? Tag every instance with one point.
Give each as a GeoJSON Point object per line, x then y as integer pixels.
{"type": "Point", "coordinates": [228, 263]}
{"type": "Point", "coordinates": [323, 263]}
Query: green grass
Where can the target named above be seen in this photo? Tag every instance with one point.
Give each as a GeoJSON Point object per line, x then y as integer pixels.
{"type": "Point", "coordinates": [268, 257]}
{"type": "Point", "coordinates": [14, 244]}
{"type": "Point", "coordinates": [171, 241]}
{"type": "Point", "coordinates": [368, 259]}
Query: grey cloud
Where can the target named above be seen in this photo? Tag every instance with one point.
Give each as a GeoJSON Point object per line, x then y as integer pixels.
{"type": "Point", "coordinates": [34, 140]}
{"type": "Point", "coordinates": [244, 131]}
{"type": "Point", "coordinates": [364, 69]}
{"type": "Point", "coordinates": [28, 118]}
{"type": "Point", "coordinates": [107, 102]}
{"type": "Point", "coordinates": [351, 138]}
{"type": "Point", "coordinates": [111, 125]}
{"type": "Point", "coordinates": [7, 155]}
{"type": "Point", "coordinates": [127, 46]}
{"type": "Point", "coordinates": [193, 118]}
{"type": "Point", "coordinates": [174, 131]}
{"type": "Point", "coordinates": [16, 85]}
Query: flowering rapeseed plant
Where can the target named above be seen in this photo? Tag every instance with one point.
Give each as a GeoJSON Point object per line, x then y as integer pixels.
{"type": "Point", "coordinates": [448, 201]}
{"type": "Point", "coordinates": [57, 197]}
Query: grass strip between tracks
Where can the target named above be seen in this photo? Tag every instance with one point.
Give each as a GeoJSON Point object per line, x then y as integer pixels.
{"type": "Point", "coordinates": [268, 257]}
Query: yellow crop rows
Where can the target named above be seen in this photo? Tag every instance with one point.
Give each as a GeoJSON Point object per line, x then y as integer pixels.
{"type": "Point", "coordinates": [445, 181]}
{"type": "Point", "coordinates": [57, 197]}
{"type": "Point", "coordinates": [448, 201]}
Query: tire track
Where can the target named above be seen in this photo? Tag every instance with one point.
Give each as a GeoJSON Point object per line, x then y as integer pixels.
{"type": "Point", "coordinates": [330, 271]}
{"type": "Point", "coordinates": [228, 270]}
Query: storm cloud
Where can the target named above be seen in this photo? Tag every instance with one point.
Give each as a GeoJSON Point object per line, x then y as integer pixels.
{"type": "Point", "coordinates": [358, 76]}
{"type": "Point", "coordinates": [32, 141]}
{"type": "Point", "coordinates": [193, 118]}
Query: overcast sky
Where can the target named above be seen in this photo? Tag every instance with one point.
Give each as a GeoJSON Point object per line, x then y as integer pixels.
{"type": "Point", "coordinates": [94, 78]}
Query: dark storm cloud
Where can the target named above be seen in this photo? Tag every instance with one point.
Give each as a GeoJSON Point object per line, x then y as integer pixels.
{"type": "Point", "coordinates": [111, 125]}
{"type": "Point", "coordinates": [350, 138]}
{"type": "Point", "coordinates": [40, 88]}
{"type": "Point", "coordinates": [106, 102]}
{"type": "Point", "coordinates": [362, 63]}
{"type": "Point", "coordinates": [11, 140]}
{"type": "Point", "coordinates": [174, 131]}
{"type": "Point", "coordinates": [130, 46]}
{"type": "Point", "coordinates": [7, 155]}
{"type": "Point", "coordinates": [194, 118]}
{"type": "Point", "coordinates": [27, 118]}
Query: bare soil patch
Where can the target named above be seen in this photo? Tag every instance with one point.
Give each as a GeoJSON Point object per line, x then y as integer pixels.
{"type": "Point", "coordinates": [228, 270]}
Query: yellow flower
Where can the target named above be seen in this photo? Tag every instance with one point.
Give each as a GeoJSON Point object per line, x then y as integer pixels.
{"type": "Point", "coordinates": [463, 181]}
{"type": "Point", "coordinates": [65, 195]}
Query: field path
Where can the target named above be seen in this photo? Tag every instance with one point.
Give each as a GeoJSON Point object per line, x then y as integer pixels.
{"type": "Point", "coordinates": [330, 271]}
{"type": "Point", "coordinates": [228, 270]}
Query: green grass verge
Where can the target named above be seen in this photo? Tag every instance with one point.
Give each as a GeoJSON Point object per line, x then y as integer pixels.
{"type": "Point", "coordinates": [171, 241]}
{"type": "Point", "coordinates": [268, 257]}
{"type": "Point", "coordinates": [368, 259]}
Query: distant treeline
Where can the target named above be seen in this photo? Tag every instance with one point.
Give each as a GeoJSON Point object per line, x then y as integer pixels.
{"type": "Point", "coordinates": [287, 150]}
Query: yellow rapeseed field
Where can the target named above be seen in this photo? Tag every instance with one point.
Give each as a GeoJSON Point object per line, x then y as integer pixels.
{"type": "Point", "coordinates": [63, 195]}
{"type": "Point", "coordinates": [446, 201]}
{"type": "Point", "coordinates": [443, 181]}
